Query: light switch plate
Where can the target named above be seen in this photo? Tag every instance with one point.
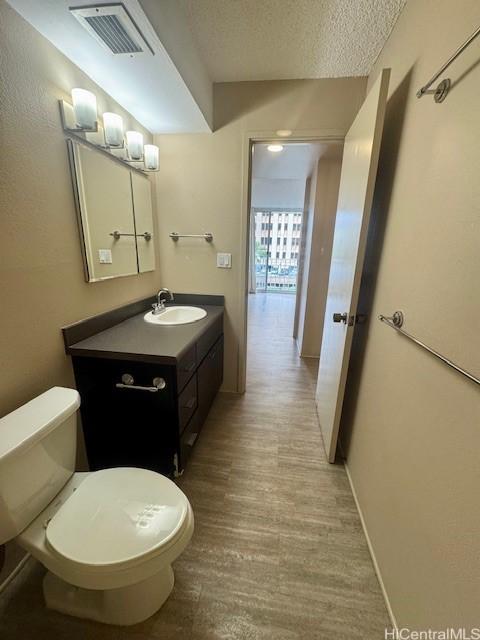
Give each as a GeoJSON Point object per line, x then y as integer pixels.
{"type": "Point", "coordinates": [224, 260]}
{"type": "Point", "coordinates": [105, 256]}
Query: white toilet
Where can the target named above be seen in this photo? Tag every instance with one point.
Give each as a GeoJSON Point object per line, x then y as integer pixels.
{"type": "Point", "coordinates": [108, 537]}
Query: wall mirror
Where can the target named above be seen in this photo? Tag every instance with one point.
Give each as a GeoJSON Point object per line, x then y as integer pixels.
{"type": "Point", "coordinates": [115, 217]}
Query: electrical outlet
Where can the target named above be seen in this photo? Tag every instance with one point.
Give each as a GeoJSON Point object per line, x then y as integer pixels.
{"type": "Point", "coordinates": [105, 256]}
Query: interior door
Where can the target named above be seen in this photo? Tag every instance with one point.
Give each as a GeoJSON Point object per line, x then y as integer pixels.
{"type": "Point", "coordinates": [357, 181]}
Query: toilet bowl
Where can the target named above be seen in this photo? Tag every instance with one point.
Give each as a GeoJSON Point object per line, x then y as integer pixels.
{"type": "Point", "coordinates": [107, 538]}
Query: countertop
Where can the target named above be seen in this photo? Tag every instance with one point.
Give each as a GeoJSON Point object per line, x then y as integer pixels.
{"type": "Point", "coordinates": [135, 339]}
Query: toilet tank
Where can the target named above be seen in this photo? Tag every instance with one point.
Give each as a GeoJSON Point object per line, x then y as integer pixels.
{"type": "Point", "coordinates": [37, 457]}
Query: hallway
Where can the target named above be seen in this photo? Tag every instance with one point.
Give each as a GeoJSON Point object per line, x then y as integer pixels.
{"type": "Point", "coordinates": [278, 551]}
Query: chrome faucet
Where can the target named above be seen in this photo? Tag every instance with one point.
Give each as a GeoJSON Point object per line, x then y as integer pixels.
{"type": "Point", "coordinates": [159, 306]}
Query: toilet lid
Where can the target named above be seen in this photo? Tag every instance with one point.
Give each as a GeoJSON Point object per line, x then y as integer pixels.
{"type": "Point", "coordinates": [117, 515]}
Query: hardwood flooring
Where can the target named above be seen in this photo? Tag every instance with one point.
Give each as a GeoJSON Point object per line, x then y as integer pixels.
{"type": "Point", "coordinates": [278, 551]}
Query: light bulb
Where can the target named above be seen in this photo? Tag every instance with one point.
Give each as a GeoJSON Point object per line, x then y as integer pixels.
{"type": "Point", "coordinates": [85, 109]}
{"type": "Point", "coordinates": [134, 145]}
{"type": "Point", "coordinates": [275, 148]}
{"type": "Point", "coordinates": [151, 157]}
{"type": "Point", "coordinates": [113, 129]}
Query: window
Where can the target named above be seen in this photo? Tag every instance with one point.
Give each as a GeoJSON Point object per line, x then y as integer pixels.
{"type": "Point", "coordinates": [285, 226]}
{"type": "Point", "coordinates": [284, 241]}
{"type": "Point", "coordinates": [270, 240]}
{"type": "Point", "coordinates": [278, 240]}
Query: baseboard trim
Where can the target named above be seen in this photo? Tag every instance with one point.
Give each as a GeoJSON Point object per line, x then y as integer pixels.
{"type": "Point", "coordinates": [371, 550]}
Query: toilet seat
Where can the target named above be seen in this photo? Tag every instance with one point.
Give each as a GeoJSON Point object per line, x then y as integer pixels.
{"type": "Point", "coordinates": [117, 518]}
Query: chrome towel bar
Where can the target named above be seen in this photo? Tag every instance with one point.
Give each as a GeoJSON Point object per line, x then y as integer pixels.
{"type": "Point", "coordinates": [117, 235]}
{"type": "Point", "coordinates": [396, 322]}
{"type": "Point", "coordinates": [440, 93]}
{"type": "Point", "coordinates": [206, 236]}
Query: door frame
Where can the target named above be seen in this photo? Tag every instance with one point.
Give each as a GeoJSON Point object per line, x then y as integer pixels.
{"type": "Point", "coordinates": [249, 139]}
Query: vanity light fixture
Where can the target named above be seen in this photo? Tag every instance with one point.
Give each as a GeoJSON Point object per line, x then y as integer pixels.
{"type": "Point", "coordinates": [113, 130]}
{"type": "Point", "coordinates": [85, 109]}
{"type": "Point", "coordinates": [275, 148]}
{"type": "Point", "coordinates": [134, 145]}
{"type": "Point", "coordinates": [79, 119]}
{"type": "Point", "coordinates": [150, 153]}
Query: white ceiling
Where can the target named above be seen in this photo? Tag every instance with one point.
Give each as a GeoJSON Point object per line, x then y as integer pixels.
{"type": "Point", "coordinates": [150, 87]}
{"type": "Point", "coordinates": [295, 162]}
{"type": "Point", "coordinates": [286, 39]}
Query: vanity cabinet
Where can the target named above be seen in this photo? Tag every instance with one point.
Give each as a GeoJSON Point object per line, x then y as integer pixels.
{"type": "Point", "coordinates": [145, 412]}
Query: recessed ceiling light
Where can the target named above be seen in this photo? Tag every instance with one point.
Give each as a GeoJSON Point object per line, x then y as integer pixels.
{"type": "Point", "coordinates": [284, 133]}
{"type": "Point", "coordinates": [275, 148]}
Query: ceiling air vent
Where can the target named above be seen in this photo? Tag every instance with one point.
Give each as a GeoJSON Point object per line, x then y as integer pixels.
{"type": "Point", "coordinates": [113, 27]}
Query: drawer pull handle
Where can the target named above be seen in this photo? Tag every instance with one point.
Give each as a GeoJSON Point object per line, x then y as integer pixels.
{"type": "Point", "coordinates": [127, 383]}
{"type": "Point", "coordinates": [190, 367]}
{"type": "Point", "coordinates": [190, 404]}
{"type": "Point", "coordinates": [191, 441]}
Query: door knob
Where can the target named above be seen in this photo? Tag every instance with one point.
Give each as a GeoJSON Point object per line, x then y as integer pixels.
{"type": "Point", "coordinates": [340, 317]}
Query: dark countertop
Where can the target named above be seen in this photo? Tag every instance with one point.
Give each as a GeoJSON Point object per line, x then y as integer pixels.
{"type": "Point", "coordinates": [135, 339]}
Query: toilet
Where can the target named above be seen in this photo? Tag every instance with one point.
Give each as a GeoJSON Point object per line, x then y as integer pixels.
{"type": "Point", "coordinates": [107, 538]}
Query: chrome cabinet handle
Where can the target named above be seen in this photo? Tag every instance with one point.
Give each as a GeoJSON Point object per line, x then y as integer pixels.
{"type": "Point", "coordinates": [127, 383]}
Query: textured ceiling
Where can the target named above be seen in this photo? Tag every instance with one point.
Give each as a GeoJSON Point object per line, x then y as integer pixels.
{"type": "Point", "coordinates": [285, 39]}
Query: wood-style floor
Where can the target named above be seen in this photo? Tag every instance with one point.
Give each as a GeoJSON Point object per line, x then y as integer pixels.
{"type": "Point", "coordinates": [278, 551]}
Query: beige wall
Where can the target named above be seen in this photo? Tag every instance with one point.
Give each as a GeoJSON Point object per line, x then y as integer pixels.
{"type": "Point", "coordinates": [200, 185]}
{"type": "Point", "coordinates": [415, 438]}
{"type": "Point", "coordinates": [319, 238]}
{"type": "Point", "coordinates": [42, 283]}
{"type": "Point", "coordinates": [170, 22]}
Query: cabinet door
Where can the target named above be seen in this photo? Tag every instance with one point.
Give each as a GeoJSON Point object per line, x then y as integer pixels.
{"type": "Point", "coordinates": [142, 205]}
{"type": "Point", "coordinates": [209, 378]}
{"type": "Point", "coordinates": [126, 427]}
{"type": "Point", "coordinates": [104, 203]}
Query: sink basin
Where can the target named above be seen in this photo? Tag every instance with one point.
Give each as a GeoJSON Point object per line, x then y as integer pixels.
{"type": "Point", "coordinates": [176, 315]}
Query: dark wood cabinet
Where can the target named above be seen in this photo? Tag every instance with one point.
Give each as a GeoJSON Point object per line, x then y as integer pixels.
{"type": "Point", "coordinates": [127, 426]}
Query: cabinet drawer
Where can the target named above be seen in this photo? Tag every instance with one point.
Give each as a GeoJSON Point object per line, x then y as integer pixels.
{"type": "Point", "coordinates": [210, 376]}
{"type": "Point", "coordinates": [188, 439]}
{"type": "Point", "coordinates": [187, 403]}
{"type": "Point", "coordinates": [209, 338]}
{"type": "Point", "coordinates": [186, 367]}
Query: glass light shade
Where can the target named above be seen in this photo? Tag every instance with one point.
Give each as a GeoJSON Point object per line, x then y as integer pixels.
{"type": "Point", "coordinates": [134, 145]}
{"type": "Point", "coordinates": [113, 129]}
{"type": "Point", "coordinates": [84, 108]}
{"type": "Point", "coordinates": [150, 152]}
